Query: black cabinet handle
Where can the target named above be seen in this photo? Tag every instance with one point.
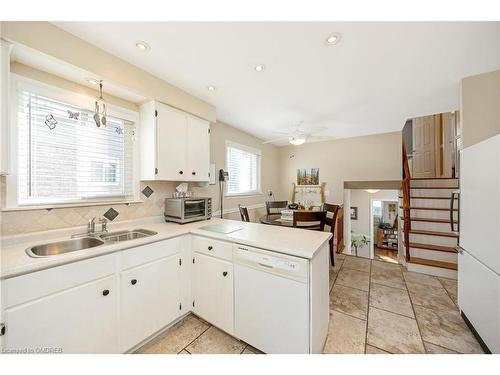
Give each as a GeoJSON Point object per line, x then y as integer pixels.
{"type": "Point", "coordinates": [181, 172]}
{"type": "Point", "coordinates": [133, 281]}
{"type": "Point", "coordinates": [105, 292]}
{"type": "Point", "coordinates": [193, 173]}
{"type": "Point", "coordinates": [224, 273]}
{"type": "Point", "coordinates": [210, 247]}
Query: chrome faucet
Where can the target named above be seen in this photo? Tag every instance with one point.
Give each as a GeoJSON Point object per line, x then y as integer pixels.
{"type": "Point", "coordinates": [91, 225]}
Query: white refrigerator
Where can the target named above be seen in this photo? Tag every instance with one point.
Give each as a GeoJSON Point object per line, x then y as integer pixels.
{"type": "Point", "coordinates": [479, 245]}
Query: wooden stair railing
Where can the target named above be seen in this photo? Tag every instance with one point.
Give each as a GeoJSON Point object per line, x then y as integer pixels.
{"type": "Point", "coordinates": [405, 188]}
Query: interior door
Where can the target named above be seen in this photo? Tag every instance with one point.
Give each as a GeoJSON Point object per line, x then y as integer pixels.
{"type": "Point", "coordinates": [171, 138]}
{"type": "Point", "coordinates": [424, 154]}
{"type": "Point", "coordinates": [150, 299]}
{"type": "Point", "coordinates": [77, 320]}
{"type": "Point", "coordinates": [198, 138]}
{"type": "Point", "coordinates": [213, 291]}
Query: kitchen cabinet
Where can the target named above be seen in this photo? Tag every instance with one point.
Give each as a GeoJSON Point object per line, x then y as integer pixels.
{"type": "Point", "coordinates": [81, 319]}
{"type": "Point", "coordinates": [150, 299]}
{"type": "Point", "coordinates": [175, 146]}
{"type": "Point", "coordinates": [213, 291]}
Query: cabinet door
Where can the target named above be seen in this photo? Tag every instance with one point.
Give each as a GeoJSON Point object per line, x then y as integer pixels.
{"type": "Point", "coordinates": [213, 291]}
{"type": "Point", "coordinates": [171, 136]}
{"type": "Point", "coordinates": [150, 299]}
{"type": "Point", "coordinates": [198, 146]}
{"type": "Point", "coordinates": [77, 320]}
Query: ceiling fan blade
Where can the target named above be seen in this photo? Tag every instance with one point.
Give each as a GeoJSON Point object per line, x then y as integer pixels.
{"type": "Point", "coordinates": [275, 140]}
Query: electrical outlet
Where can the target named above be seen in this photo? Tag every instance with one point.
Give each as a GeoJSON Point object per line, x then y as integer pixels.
{"type": "Point", "coordinates": [327, 193]}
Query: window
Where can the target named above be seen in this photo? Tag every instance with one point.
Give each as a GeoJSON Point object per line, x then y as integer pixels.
{"type": "Point", "coordinates": [63, 157]}
{"type": "Point", "coordinates": [243, 166]}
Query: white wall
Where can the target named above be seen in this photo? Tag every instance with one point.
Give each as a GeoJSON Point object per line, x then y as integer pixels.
{"type": "Point", "coordinates": [362, 200]}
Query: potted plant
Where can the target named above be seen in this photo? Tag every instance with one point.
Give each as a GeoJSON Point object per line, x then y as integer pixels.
{"type": "Point", "coordinates": [358, 242]}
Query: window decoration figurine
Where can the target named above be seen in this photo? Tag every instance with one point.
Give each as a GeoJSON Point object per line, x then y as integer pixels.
{"type": "Point", "coordinates": [73, 115]}
{"type": "Point", "coordinates": [50, 121]}
{"type": "Point", "coordinates": [100, 109]}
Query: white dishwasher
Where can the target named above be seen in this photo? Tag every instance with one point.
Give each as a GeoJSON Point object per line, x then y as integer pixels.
{"type": "Point", "coordinates": [271, 301]}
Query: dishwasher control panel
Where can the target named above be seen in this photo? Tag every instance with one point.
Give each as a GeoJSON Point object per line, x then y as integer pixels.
{"type": "Point", "coordinates": [276, 263]}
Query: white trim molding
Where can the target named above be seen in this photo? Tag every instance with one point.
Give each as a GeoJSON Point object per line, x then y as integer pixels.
{"type": "Point", "coordinates": [5, 50]}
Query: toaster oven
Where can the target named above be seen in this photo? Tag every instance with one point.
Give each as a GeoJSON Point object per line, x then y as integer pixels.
{"type": "Point", "coordinates": [186, 210]}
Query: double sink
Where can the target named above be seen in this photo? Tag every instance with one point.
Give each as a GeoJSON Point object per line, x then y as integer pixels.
{"type": "Point", "coordinates": [68, 246]}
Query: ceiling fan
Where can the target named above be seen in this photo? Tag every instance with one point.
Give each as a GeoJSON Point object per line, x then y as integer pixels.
{"type": "Point", "coordinates": [299, 134]}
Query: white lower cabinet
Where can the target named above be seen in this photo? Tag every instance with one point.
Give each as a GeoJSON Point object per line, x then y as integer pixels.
{"type": "Point", "coordinates": [81, 319]}
{"type": "Point", "coordinates": [212, 291]}
{"type": "Point", "coordinates": [150, 299]}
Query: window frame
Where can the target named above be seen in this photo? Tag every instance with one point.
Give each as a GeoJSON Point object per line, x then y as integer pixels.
{"type": "Point", "coordinates": [18, 82]}
{"type": "Point", "coordinates": [249, 149]}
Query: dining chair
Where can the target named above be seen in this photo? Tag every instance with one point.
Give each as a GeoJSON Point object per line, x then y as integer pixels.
{"type": "Point", "coordinates": [275, 205]}
{"type": "Point", "coordinates": [244, 213]}
{"type": "Point", "coordinates": [315, 217]}
{"type": "Point", "coordinates": [333, 210]}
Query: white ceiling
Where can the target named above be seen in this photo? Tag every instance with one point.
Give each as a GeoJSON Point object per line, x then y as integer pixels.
{"type": "Point", "coordinates": [379, 74]}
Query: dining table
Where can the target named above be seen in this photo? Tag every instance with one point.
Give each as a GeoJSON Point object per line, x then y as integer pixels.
{"type": "Point", "coordinates": [275, 219]}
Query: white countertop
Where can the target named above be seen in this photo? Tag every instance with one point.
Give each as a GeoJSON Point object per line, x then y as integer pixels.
{"type": "Point", "coordinates": [291, 241]}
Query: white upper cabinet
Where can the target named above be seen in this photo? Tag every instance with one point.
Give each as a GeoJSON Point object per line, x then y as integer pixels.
{"type": "Point", "coordinates": [175, 146]}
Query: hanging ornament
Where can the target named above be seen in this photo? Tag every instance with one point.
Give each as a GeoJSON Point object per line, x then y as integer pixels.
{"type": "Point", "coordinates": [73, 115]}
{"type": "Point", "coordinates": [100, 115]}
{"type": "Point", "coordinates": [50, 121]}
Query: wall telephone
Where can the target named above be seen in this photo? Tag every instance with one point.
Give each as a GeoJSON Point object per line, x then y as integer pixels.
{"type": "Point", "coordinates": [223, 175]}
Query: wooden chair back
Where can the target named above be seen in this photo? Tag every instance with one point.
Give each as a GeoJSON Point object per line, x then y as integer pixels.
{"type": "Point", "coordinates": [276, 206]}
{"type": "Point", "coordinates": [316, 217]}
{"type": "Point", "coordinates": [332, 209]}
{"type": "Point", "coordinates": [244, 213]}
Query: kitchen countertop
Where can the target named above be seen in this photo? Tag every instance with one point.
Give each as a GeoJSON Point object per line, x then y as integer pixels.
{"type": "Point", "coordinates": [291, 241]}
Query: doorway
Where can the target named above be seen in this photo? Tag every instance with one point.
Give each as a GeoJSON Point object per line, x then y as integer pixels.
{"type": "Point", "coordinates": [384, 229]}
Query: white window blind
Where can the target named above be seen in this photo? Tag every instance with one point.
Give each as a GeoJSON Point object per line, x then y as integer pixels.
{"type": "Point", "coordinates": [243, 166]}
{"type": "Point", "coordinates": [75, 161]}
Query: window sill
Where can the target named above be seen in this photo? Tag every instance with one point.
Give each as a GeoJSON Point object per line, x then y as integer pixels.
{"type": "Point", "coordinates": [243, 195]}
{"type": "Point", "coordinates": [69, 205]}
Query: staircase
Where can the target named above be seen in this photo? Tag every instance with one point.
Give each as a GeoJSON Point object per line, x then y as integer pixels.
{"type": "Point", "coordinates": [429, 242]}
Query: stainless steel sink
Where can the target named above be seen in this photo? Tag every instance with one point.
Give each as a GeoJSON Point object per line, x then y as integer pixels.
{"type": "Point", "coordinates": [126, 235]}
{"type": "Point", "coordinates": [56, 248]}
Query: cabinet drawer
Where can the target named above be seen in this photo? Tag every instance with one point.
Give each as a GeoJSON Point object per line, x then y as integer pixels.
{"type": "Point", "coordinates": [219, 249]}
{"type": "Point", "coordinates": [35, 285]}
{"type": "Point", "coordinates": [144, 254]}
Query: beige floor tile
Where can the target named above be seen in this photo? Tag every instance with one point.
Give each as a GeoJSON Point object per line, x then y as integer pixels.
{"type": "Point", "coordinates": [436, 349]}
{"type": "Point", "coordinates": [247, 351]}
{"type": "Point", "coordinates": [339, 256]}
{"type": "Point", "coordinates": [354, 279]}
{"type": "Point", "coordinates": [421, 278]}
{"type": "Point", "coordinates": [391, 299]}
{"type": "Point", "coordinates": [446, 329]}
{"type": "Point", "coordinates": [177, 337]}
{"type": "Point", "coordinates": [451, 287]}
{"type": "Point", "coordinates": [393, 333]}
{"type": "Point", "coordinates": [346, 335]}
{"type": "Point", "coordinates": [431, 297]}
{"type": "Point", "coordinates": [214, 341]}
{"type": "Point", "coordinates": [385, 277]}
{"type": "Point", "coordinates": [357, 263]}
{"type": "Point", "coordinates": [184, 351]}
{"type": "Point", "coordinates": [253, 350]}
{"type": "Point", "coordinates": [333, 277]}
{"type": "Point", "coordinates": [350, 301]}
{"type": "Point", "coordinates": [385, 266]}
{"type": "Point", "coordinates": [374, 350]}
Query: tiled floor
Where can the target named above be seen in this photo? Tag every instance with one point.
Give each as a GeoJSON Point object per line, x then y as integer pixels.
{"type": "Point", "coordinates": [375, 308]}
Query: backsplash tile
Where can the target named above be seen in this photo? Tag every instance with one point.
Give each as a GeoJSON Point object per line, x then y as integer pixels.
{"type": "Point", "coordinates": [147, 191]}
{"type": "Point", "coordinates": [111, 214]}
{"type": "Point", "coordinates": [17, 222]}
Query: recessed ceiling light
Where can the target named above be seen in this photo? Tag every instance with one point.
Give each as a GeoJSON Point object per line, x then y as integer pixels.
{"type": "Point", "coordinates": [93, 81]}
{"type": "Point", "coordinates": [143, 46]}
{"type": "Point", "coordinates": [211, 88]}
{"type": "Point", "coordinates": [259, 67]}
{"type": "Point", "coordinates": [333, 39]}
